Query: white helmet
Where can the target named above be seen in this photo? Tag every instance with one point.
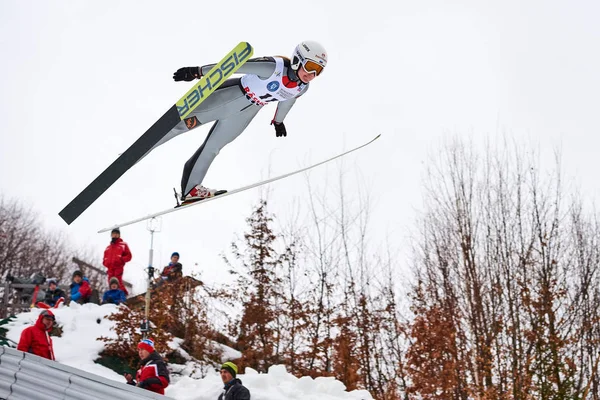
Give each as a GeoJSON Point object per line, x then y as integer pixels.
{"type": "Point", "coordinates": [311, 56]}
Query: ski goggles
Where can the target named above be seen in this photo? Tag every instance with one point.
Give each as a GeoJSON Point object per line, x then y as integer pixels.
{"type": "Point", "coordinates": [312, 67]}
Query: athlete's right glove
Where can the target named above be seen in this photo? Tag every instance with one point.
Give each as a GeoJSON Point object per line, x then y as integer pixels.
{"type": "Point", "coordinates": [187, 74]}
{"type": "Point", "coordinates": [279, 129]}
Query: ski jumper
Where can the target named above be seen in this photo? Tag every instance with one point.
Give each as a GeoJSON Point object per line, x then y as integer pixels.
{"type": "Point", "coordinates": [233, 106]}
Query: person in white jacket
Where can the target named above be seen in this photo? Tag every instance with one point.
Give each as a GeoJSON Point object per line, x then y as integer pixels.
{"type": "Point", "coordinates": [237, 101]}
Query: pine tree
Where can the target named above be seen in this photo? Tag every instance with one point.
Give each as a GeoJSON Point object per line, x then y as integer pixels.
{"type": "Point", "coordinates": [176, 311]}
{"type": "Point", "coordinates": [260, 289]}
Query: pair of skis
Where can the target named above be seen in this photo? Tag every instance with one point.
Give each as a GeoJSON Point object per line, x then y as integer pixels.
{"type": "Point", "coordinates": [180, 111]}
{"type": "Point", "coordinates": [41, 304]}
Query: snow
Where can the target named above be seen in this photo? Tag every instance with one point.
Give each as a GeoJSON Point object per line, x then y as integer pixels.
{"type": "Point", "coordinates": [78, 347]}
{"type": "Point", "coordinates": [275, 385]}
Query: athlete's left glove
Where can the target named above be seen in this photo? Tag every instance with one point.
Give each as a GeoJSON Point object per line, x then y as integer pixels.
{"type": "Point", "coordinates": [279, 129]}
{"type": "Point", "coordinates": [187, 74]}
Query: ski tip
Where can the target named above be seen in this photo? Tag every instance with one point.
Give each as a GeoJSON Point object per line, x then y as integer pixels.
{"type": "Point", "coordinates": [110, 228]}
{"type": "Point", "coordinates": [371, 141]}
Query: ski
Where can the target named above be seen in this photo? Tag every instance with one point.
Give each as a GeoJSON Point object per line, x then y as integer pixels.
{"type": "Point", "coordinates": [178, 112]}
{"type": "Point", "coordinates": [238, 190]}
{"type": "Point", "coordinates": [41, 304]}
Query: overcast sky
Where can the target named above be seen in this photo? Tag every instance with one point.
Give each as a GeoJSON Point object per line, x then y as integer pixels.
{"type": "Point", "coordinates": [80, 81]}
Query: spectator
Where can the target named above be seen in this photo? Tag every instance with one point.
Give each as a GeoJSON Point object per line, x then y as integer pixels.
{"type": "Point", "coordinates": [171, 272]}
{"type": "Point", "coordinates": [116, 255]}
{"type": "Point", "coordinates": [233, 389]}
{"type": "Point", "coordinates": [114, 295]}
{"type": "Point", "coordinates": [54, 295]}
{"type": "Point", "coordinates": [80, 288]}
{"type": "Point", "coordinates": [153, 374]}
{"type": "Point", "coordinates": [36, 339]}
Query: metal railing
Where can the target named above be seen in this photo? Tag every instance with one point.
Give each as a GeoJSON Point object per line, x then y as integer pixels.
{"type": "Point", "coordinates": [7, 308]}
{"type": "Point", "coordinates": [25, 376]}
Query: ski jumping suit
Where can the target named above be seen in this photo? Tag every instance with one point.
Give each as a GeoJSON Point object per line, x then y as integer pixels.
{"type": "Point", "coordinates": [232, 106]}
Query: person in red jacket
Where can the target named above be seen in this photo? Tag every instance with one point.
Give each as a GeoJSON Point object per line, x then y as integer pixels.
{"type": "Point", "coordinates": [36, 339]}
{"type": "Point", "coordinates": [153, 374]}
{"type": "Point", "coordinates": [115, 256]}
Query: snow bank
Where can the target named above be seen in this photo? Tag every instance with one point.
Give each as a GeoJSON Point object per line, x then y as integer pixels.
{"type": "Point", "coordinates": [78, 347]}
{"type": "Point", "coordinates": [277, 384]}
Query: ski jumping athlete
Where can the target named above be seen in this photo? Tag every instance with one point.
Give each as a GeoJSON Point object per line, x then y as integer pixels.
{"type": "Point", "coordinates": [235, 103]}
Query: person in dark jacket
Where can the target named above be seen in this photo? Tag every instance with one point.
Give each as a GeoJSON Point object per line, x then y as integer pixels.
{"type": "Point", "coordinates": [54, 295]}
{"type": "Point", "coordinates": [80, 288]}
{"type": "Point", "coordinates": [233, 389]}
{"type": "Point", "coordinates": [171, 272]}
{"type": "Point", "coordinates": [153, 374]}
{"type": "Point", "coordinates": [36, 339]}
{"type": "Point", "coordinates": [114, 295]}
{"type": "Point", "coordinates": [116, 255]}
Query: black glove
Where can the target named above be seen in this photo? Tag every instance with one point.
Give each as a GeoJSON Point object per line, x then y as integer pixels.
{"type": "Point", "coordinates": [142, 384]}
{"type": "Point", "coordinates": [279, 129]}
{"type": "Point", "coordinates": [187, 74]}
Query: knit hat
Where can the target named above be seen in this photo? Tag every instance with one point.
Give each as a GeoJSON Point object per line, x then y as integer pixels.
{"type": "Point", "coordinates": [47, 314]}
{"type": "Point", "coordinates": [77, 273]}
{"type": "Point", "coordinates": [116, 230]}
{"type": "Point", "coordinates": [147, 344]}
{"type": "Point", "coordinates": [113, 280]}
{"type": "Point", "coordinates": [51, 281]}
{"type": "Point", "coordinates": [231, 367]}
{"type": "Point", "coordinates": [175, 254]}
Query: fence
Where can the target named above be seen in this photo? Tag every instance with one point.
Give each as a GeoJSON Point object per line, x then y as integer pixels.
{"type": "Point", "coordinates": [17, 306]}
{"type": "Point", "coordinates": [8, 308]}
{"type": "Point", "coordinates": [24, 376]}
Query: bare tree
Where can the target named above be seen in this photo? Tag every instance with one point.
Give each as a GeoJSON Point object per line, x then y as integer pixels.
{"type": "Point", "coordinates": [26, 248]}
{"type": "Point", "coordinates": [510, 265]}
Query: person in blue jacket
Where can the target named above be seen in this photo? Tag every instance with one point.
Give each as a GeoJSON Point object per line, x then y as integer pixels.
{"type": "Point", "coordinates": [80, 288]}
{"type": "Point", "coordinates": [114, 295]}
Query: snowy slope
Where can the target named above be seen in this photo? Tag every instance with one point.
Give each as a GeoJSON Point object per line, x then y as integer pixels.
{"type": "Point", "coordinates": [78, 348]}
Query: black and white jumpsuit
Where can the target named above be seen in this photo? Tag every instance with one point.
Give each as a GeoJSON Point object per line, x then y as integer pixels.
{"type": "Point", "coordinates": [232, 106]}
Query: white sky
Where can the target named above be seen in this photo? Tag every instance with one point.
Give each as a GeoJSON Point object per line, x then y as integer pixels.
{"type": "Point", "coordinates": [80, 81]}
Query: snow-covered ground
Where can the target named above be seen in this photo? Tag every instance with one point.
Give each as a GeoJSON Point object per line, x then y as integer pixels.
{"type": "Point", "coordinates": [78, 347]}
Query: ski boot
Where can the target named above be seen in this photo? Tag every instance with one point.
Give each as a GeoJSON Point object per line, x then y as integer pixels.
{"type": "Point", "coordinates": [199, 193]}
